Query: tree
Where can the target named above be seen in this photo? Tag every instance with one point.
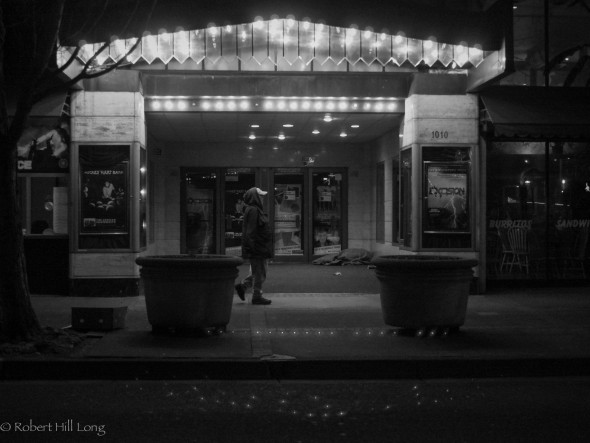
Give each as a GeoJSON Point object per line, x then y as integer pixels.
{"type": "Point", "coordinates": [31, 34]}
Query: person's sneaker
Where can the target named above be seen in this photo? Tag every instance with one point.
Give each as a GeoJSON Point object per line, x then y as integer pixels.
{"type": "Point", "coordinates": [241, 291]}
{"type": "Point", "coordinates": [260, 301]}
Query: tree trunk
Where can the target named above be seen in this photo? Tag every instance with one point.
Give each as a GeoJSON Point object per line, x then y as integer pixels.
{"type": "Point", "coordinates": [18, 320]}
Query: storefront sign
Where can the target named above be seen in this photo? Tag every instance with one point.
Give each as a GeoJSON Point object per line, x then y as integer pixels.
{"type": "Point", "coordinates": [507, 224]}
{"type": "Point", "coordinates": [446, 197]}
{"type": "Point", "coordinates": [104, 199]}
{"type": "Point", "coordinates": [566, 224]}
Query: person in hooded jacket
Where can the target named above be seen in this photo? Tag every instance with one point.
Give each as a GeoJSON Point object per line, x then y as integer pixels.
{"type": "Point", "coordinates": [257, 245]}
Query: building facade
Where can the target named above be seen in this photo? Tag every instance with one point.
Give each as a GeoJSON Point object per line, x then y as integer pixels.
{"type": "Point", "coordinates": [365, 140]}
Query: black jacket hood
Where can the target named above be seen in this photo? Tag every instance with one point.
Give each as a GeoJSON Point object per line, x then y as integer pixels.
{"type": "Point", "coordinates": [252, 198]}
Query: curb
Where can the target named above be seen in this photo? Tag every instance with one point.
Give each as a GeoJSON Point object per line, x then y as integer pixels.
{"type": "Point", "coordinates": [185, 369]}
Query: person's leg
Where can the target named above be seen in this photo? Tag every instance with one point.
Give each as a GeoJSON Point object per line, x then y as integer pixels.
{"type": "Point", "coordinates": [259, 268]}
{"type": "Point", "coordinates": [245, 284]}
{"type": "Point", "coordinates": [258, 275]}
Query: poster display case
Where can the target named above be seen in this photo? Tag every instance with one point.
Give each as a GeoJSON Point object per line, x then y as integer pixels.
{"type": "Point", "coordinates": [104, 197]}
{"type": "Point", "coordinates": [446, 212]}
{"type": "Point", "coordinates": [447, 206]}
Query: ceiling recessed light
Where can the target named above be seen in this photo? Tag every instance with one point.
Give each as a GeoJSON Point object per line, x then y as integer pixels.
{"type": "Point", "coordinates": [288, 125]}
{"type": "Point", "coordinates": [276, 148]}
{"type": "Point", "coordinates": [315, 132]}
{"type": "Point", "coordinates": [252, 137]}
{"type": "Point", "coordinates": [355, 126]}
{"type": "Point", "coordinates": [254, 125]}
{"type": "Point", "coordinates": [343, 134]}
{"type": "Point", "coordinates": [281, 136]}
{"type": "Point", "coordinates": [327, 118]}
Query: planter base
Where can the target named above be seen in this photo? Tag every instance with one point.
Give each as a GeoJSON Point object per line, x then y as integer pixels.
{"type": "Point", "coordinates": [424, 293]}
{"type": "Point", "coordinates": [189, 294]}
{"type": "Point", "coordinates": [190, 332]}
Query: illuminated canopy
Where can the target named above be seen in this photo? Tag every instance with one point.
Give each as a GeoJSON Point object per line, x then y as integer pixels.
{"type": "Point", "coordinates": [284, 45]}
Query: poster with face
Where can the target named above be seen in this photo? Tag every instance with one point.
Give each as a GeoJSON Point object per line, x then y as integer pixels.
{"type": "Point", "coordinates": [44, 149]}
{"type": "Point", "coordinates": [446, 187]}
{"type": "Point", "coordinates": [104, 199]}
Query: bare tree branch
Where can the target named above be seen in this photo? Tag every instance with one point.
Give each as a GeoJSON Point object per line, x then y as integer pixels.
{"type": "Point", "coordinates": [89, 64]}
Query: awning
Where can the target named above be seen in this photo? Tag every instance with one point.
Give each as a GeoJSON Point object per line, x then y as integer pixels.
{"type": "Point", "coordinates": [52, 106]}
{"type": "Point", "coordinates": [538, 112]}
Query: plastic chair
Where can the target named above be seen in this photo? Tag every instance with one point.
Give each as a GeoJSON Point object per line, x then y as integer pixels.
{"type": "Point", "coordinates": [519, 244]}
{"type": "Point", "coordinates": [507, 253]}
{"type": "Point", "coordinates": [574, 260]}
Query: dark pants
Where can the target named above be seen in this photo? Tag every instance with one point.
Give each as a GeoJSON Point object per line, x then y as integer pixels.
{"type": "Point", "coordinates": [256, 276]}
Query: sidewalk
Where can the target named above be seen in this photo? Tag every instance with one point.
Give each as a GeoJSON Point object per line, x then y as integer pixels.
{"type": "Point", "coordinates": [532, 332]}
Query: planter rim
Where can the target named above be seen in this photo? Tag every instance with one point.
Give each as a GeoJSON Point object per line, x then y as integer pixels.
{"type": "Point", "coordinates": [423, 262]}
{"type": "Point", "coordinates": [186, 260]}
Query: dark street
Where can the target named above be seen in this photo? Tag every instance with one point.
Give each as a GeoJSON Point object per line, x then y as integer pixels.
{"type": "Point", "coordinates": [475, 410]}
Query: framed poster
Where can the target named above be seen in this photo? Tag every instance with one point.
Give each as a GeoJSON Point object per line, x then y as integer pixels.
{"type": "Point", "coordinates": [447, 197]}
{"type": "Point", "coordinates": [104, 193]}
{"type": "Point", "coordinates": [104, 199]}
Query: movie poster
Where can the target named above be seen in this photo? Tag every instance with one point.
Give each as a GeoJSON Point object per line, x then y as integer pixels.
{"type": "Point", "coordinates": [44, 149]}
{"type": "Point", "coordinates": [104, 199]}
{"type": "Point", "coordinates": [447, 199]}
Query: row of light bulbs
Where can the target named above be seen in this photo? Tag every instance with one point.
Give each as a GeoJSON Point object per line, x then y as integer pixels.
{"type": "Point", "coordinates": [274, 104]}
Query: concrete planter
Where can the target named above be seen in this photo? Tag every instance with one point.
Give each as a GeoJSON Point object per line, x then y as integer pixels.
{"type": "Point", "coordinates": [424, 293]}
{"type": "Point", "coordinates": [189, 292]}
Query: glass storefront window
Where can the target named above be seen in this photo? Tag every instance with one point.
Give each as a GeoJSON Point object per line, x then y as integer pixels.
{"type": "Point", "coordinates": [538, 210]}
{"type": "Point", "coordinates": [288, 216]}
{"type": "Point", "coordinates": [327, 213]}
{"type": "Point", "coordinates": [44, 203]}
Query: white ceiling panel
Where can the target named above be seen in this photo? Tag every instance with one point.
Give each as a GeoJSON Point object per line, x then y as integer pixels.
{"type": "Point", "coordinates": [231, 127]}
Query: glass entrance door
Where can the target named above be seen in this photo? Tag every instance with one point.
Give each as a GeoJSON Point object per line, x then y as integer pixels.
{"type": "Point", "coordinates": [237, 181]}
{"type": "Point", "coordinates": [288, 212]}
{"type": "Point", "coordinates": [306, 207]}
{"type": "Point", "coordinates": [327, 212]}
{"type": "Point", "coordinates": [200, 216]}
{"type": "Point", "coordinates": [211, 218]}
{"type": "Point", "coordinates": [308, 212]}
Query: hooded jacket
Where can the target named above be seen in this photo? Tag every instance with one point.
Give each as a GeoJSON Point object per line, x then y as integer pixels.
{"type": "Point", "coordinates": [257, 238]}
